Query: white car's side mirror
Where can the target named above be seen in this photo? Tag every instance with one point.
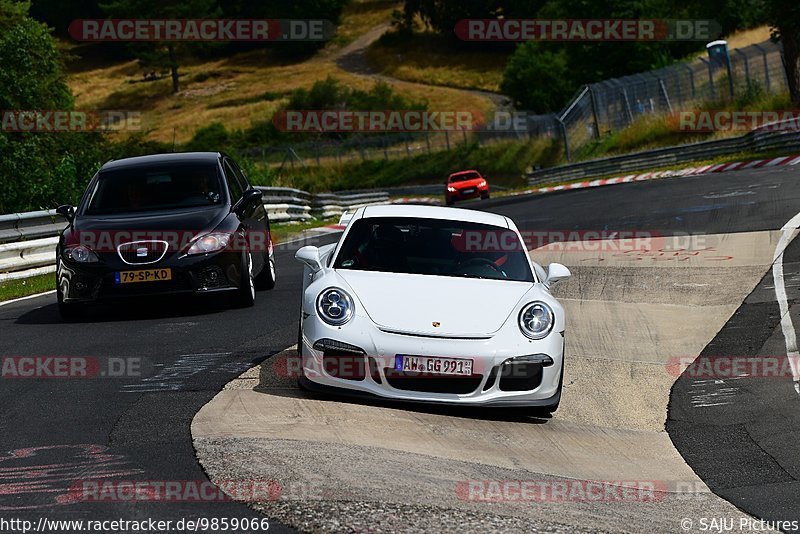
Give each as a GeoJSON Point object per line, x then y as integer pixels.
{"type": "Point", "coordinates": [309, 255]}
{"type": "Point", "coordinates": [555, 273]}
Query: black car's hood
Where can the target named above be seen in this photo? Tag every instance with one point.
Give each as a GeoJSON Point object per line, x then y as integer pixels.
{"type": "Point", "coordinates": [197, 220]}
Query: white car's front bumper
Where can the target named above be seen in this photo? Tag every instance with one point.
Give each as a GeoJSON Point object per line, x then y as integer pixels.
{"type": "Point", "coordinates": [489, 384]}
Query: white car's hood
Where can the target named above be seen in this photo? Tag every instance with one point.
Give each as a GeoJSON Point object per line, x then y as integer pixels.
{"type": "Point", "coordinates": [410, 303]}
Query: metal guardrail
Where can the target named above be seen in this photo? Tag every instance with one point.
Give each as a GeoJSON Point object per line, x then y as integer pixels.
{"type": "Point", "coordinates": [755, 141]}
{"type": "Point", "coordinates": [28, 240]}
{"type": "Point", "coordinates": [31, 225]}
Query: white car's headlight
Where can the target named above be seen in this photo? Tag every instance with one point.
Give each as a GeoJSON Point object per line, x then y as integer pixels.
{"type": "Point", "coordinates": [80, 254]}
{"type": "Point", "coordinates": [210, 243]}
{"type": "Point", "coordinates": [536, 320]}
{"type": "Point", "coordinates": [334, 306]}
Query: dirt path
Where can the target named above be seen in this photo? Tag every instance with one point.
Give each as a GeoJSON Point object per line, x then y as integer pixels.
{"type": "Point", "coordinates": [353, 59]}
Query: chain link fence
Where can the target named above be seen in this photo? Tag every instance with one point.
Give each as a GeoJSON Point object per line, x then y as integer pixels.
{"type": "Point", "coordinates": [596, 110]}
{"type": "Point", "coordinates": [611, 105]}
{"type": "Point", "coordinates": [393, 146]}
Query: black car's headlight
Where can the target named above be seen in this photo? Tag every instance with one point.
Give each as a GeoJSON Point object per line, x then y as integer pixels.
{"type": "Point", "coordinates": [335, 306]}
{"type": "Point", "coordinates": [80, 254]}
{"type": "Point", "coordinates": [536, 320]}
{"type": "Point", "coordinates": [211, 242]}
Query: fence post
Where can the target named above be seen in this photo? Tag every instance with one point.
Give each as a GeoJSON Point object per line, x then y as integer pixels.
{"type": "Point", "coordinates": [408, 151]}
{"type": "Point", "coordinates": [666, 95]}
{"type": "Point", "coordinates": [746, 64]}
{"type": "Point", "coordinates": [766, 66]}
{"type": "Point", "coordinates": [447, 139]}
{"type": "Point", "coordinates": [593, 103]}
{"type": "Point", "coordinates": [316, 153]}
{"type": "Point", "coordinates": [566, 138]}
{"type": "Point", "coordinates": [691, 80]}
{"type": "Point", "coordinates": [677, 82]}
{"type": "Point", "coordinates": [385, 152]}
{"type": "Point", "coordinates": [627, 105]}
{"type": "Point", "coordinates": [710, 77]}
{"type": "Point", "coordinates": [428, 141]}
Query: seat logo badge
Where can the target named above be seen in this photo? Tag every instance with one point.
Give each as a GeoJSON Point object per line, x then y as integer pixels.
{"type": "Point", "coordinates": [141, 252]}
{"type": "Point", "coordinates": [436, 324]}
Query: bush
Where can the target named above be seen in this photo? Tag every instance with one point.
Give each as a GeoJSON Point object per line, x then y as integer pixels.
{"type": "Point", "coordinates": [538, 80]}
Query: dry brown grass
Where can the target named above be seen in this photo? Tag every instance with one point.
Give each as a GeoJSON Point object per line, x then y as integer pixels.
{"type": "Point", "coordinates": [227, 90]}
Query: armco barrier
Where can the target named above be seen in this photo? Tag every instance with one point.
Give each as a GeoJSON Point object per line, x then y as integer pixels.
{"type": "Point", "coordinates": [27, 258]}
{"type": "Point", "coordinates": [326, 205]}
{"type": "Point", "coordinates": [755, 141]}
{"type": "Point", "coordinates": [285, 204]}
{"type": "Point", "coordinates": [31, 225]}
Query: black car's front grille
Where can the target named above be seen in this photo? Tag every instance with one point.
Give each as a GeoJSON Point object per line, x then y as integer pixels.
{"type": "Point", "coordinates": [142, 252]}
{"type": "Point", "coordinates": [432, 383]}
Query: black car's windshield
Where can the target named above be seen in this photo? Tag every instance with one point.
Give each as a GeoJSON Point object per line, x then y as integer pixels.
{"type": "Point", "coordinates": [434, 247]}
{"type": "Point", "coordinates": [157, 187]}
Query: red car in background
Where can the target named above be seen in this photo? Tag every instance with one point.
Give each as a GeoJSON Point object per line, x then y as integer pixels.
{"type": "Point", "coordinates": [465, 184]}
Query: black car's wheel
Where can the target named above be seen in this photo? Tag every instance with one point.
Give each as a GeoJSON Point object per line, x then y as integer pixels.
{"type": "Point", "coordinates": [266, 278]}
{"type": "Point", "coordinates": [246, 296]}
{"type": "Point", "coordinates": [70, 312]}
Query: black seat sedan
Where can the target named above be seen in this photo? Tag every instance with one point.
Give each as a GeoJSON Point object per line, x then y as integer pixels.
{"type": "Point", "coordinates": [164, 224]}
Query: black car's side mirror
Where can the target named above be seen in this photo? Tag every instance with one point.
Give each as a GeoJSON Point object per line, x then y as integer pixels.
{"type": "Point", "coordinates": [250, 197]}
{"type": "Point", "coordinates": [66, 211]}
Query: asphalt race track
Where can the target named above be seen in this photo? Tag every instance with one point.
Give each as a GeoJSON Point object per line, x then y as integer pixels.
{"type": "Point", "coordinates": [57, 432]}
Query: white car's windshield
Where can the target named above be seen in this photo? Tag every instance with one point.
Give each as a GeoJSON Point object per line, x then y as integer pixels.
{"type": "Point", "coordinates": [434, 247]}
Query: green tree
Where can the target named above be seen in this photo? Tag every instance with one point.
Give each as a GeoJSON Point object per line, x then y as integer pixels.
{"type": "Point", "coordinates": [538, 80]}
{"type": "Point", "coordinates": [166, 54]}
{"type": "Point", "coordinates": [37, 169]}
{"type": "Point", "coordinates": [784, 18]}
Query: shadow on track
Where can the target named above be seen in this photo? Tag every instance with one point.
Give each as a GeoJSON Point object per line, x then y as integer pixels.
{"type": "Point", "coordinates": [140, 308]}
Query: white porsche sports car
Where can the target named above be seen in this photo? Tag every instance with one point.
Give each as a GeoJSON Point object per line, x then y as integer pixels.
{"type": "Point", "coordinates": [432, 304]}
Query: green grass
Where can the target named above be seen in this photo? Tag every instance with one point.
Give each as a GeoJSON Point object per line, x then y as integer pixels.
{"type": "Point", "coordinates": [29, 286]}
{"type": "Point", "coordinates": [503, 163]}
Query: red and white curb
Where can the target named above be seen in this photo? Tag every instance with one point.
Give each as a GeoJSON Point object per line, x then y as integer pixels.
{"type": "Point", "coordinates": [671, 173]}
{"type": "Point", "coordinates": [689, 171]}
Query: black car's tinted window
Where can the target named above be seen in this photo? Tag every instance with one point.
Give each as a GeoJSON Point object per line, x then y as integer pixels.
{"type": "Point", "coordinates": [157, 187]}
{"type": "Point", "coordinates": [434, 247]}
{"type": "Point", "coordinates": [234, 185]}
